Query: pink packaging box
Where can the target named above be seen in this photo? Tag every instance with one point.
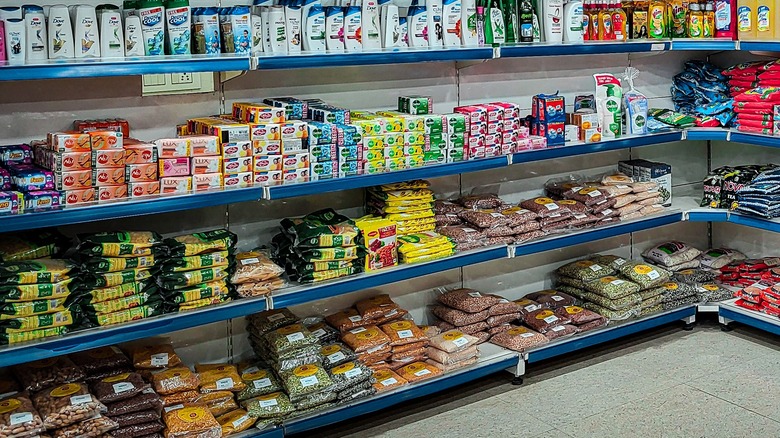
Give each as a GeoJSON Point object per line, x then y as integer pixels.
{"type": "Point", "coordinates": [205, 165]}
{"type": "Point", "coordinates": [174, 167]}
{"type": "Point", "coordinates": [207, 181]}
{"type": "Point", "coordinates": [474, 114]}
{"type": "Point", "coordinates": [176, 184]}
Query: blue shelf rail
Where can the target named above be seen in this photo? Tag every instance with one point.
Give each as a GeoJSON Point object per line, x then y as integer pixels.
{"type": "Point", "coordinates": [761, 321]}
{"type": "Point", "coordinates": [98, 67]}
{"type": "Point", "coordinates": [588, 48]}
{"type": "Point", "coordinates": [395, 56]}
{"type": "Point", "coordinates": [102, 336]}
{"type": "Point", "coordinates": [704, 44]}
{"type": "Point", "coordinates": [759, 46]}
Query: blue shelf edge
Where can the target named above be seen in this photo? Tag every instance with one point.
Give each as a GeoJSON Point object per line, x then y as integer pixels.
{"type": "Point", "coordinates": [606, 334]}
{"type": "Point", "coordinates": [102, 336]}
{"type": "Point", "coordinates": [703, 44]}
{"type": "Point", "coordinates": [760, 46]}
{"type": "Point", "coordinates": [362, 181]}
{"type": "Point", "coordinates": [707, 134]}
{"type": "Point", "coordinates": [748, 320]}
{"type": "Point", "coordinates": [398, 56]}
{"type": "Point", "coordinates": [755, 139]}
{"type": "Point", "coordinates": [753, 222]}
{"type": "Point", "coordinates": [275, 432]}
{"type": "Point", "coordinates": [387, 276]}
{"type": "Point", "coordinates": [90, 68]}
{"type": "Point", "coordinates": [589, 48]}
{"type": "Point", "coordinates": [414, 391]}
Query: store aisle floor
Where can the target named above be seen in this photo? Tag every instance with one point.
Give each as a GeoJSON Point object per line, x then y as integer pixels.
{"type": "Point", "coordinates": [668, 383]}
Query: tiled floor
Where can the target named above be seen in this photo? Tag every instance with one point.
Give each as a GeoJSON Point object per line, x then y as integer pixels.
{"type": "Point", "coordinates": [666, 383]}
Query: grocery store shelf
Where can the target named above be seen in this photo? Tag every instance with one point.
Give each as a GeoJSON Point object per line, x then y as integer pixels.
{"type": "Point", "coordinates": [703, 44]}
{"type": "Point", "coordinates": [493, 359]}
{"type": "Point", "coordinates": [759, 46]}
{"type": "Point", "coordinates": [590, 148]}
{"type": "Point", "coordinates": [271, 432]}
{"type": "Point", "coordinates": [102, 336]}
{"type": "Point", "coordinates": [708, 307]}
{"type": "Point", "coordinates": [608, 333]}
{"type": "Point", "coordinates": [722, 215]}
{"type": "Point", "coordinates": [711, 134]}
{"type": "Point", "coordinates": [755, 139]}
{"type": "Point", "coordinates": [127, 207]}
{"type": "Point", "coordinates": [588, 48]}
{"type": "Point", "coordinates": [90, 68]}
{"type": "Point", "coordinates": [732, 312]}
{"type": "Point", "coordinates": [327, 289]}
{"type": "Point", "coordinates": [385, 56]}
{"type": "Point", "coordinates": [361, 181]}
{"type": "Point", "coordinates": [593, 234]}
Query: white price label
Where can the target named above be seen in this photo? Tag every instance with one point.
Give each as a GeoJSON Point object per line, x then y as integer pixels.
{"type": "Point", "coordinates": [250, 370]}
{"type": "Point", "coordinates": [496, 214]}
{"type": "Point", "coordinates": [622, 186]}
{"type": "Point", "coordinates": [262, 383]}
{"type": "Point", "coordinates": [461, 341]}
{"type": "Point", "coordinates": [309, 381]}
{"type": "Point", "coordinates": [148, 391]}
{"type": "Point", "coordinates": [468, 230]}
{"type": "Point", "coordinates": [606, 212]}
{"type": "Point", "coordinates": [319, 333]}
{"type": "Point", "coordinates": [579, 216]}
{"type": "Point", "coordinates": [391, 313]}
{"type": "Point", "coordinates": [557, 298]}
{"type": "Point", "coordinates": [226, 383]}
{"type": "Point", "coordinates": [297, 336]}
{"type": "Point", "coordinates": [594, 194]}
{"type": "Point", "coordinates": [550, 319]}
{"type": "Point", "coordinates": [558, 328]}
{"type": "Point", "coordinates": [268, 403]}
{"type": "Point", "coordinates": [160, 360]}
{"type": "Point", "coordinates": [551, 206]}
{"type": "Point", "coordinates": [596, 268]}
{"type": "Point", "coordinates": [337, 356]}
{"type": "Point", "coordinates": [275, 317]}
{"type": "Point", "coordinates": [531, 307]}
{"type": "Point", "coordinates": [388, 382]}
{"type": "Point", "coordinates": [251, 261]}
{"type": "Point", "coordinates": [122, 387]}
{"type": "Point", "coordinates": [616, 282]}
{"type": "Point", "coordinates": [173, 408]}
{"type": "Point", "coordinates": [403, 334]}
{"type": "Point", "coordinates": [653, 274]}
{"type": "Point", "coordinates": [503, 301]}
{"type": "Point", "coordinates": [422, 372]}
{"type": "Point", "coordinates": [239, 421]}
{"type": "Point", "coordinates": [80, 399]}
{"type": "Point", "coordinates": [774, 261]}
{"type": "Point", "coordinates": [620, 262]}
{"type": "Point", "coordinates": [357, 330]}
{"type": "Point", "coordinates": [355, 318]}
{"type": "Point", "coordinates": [354, 372]}
{"type": "Point", "coordinates": [475, 294]}
{"type": "Point", "coordinates": [21, 417]}
{"type": "Point", "coordinates": [526, 335]}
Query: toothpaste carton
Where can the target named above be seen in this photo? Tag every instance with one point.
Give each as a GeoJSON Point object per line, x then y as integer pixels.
{"type": "Point", "coordinates": [173, 147]}
{"type": "Point", "coordinates": [108, 158]}
{"type": "Point", "coordinates": [108, 176]}
{"type": "Point", "coordinates": [207, 181]}
{"type": "Point", "coordinates": [238, 180]}
{"type": "Point", "coordinates": [267, 163]}
{"type": "Point", "coordinates": [74, 179]}
{"type": "Point", "coordinates": [204, 145]}
{"type": "Point", "coordinates": [548, 108]}
{"type": "Point", "coordinates": [145, 172]}
{"type": "Point", "coordinates": [238, 149]}
{"type": "Point", "coordinates": [107, 193]}
{"type": "Point", "coordinates": [265, 131]}
{"type": "Point", "coordinates": [174, 167]}
{"type": "Point", "coordinates": [237, 165]}
{"type": "Point", "coordinates": [79, 196]}
{"type": "Point", "coordinates": [268, 178]}
{"type": "Point", "coordinates": [212, 164]}
{"type": "Point", "coordinates": [135, 190]}
{"type": "Point", "coordinates": [176, 185]}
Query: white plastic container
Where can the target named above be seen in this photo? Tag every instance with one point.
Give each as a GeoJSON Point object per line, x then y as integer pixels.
{"type": "Point", "coordinates": [435, 10]}
{"type": "Point", "coordinates": [178, 23]}
{"type": "Point", "coordinates": [85, 32]}
{"type": "Point", "coordinates": [152, 16]}
{"type": "Point", "coordinates": [452, 23]}
{"type": "Point", "coordinates": [241, 24]}
{"type": "Point", "coordinates": [418, 26]}
{"type": "Point", "coordinates": [266, 17]}
{"type": "Point", "coordinates": [370, 32]}
{"type": "Point", "coordinates": [112, 38]}
{"type": "Point", "coordinates": [352, 24]}
{"type": "Point", "coordinates": [134, 40]}
{"type": "Point", "coordinates": [15, 45]}
{"type": "Point", "coordinates": [35, 23]}
{"type": "Point", "coordinates": [257, 30]}
{"type": "Point", "coordinates": [468, 22]}
{"type": "Point", "coordinates": [60, 33]}
{"type": "Point", "coordinates": [552, 17]}
{"type": "Point", "coordinates": [403, 27]}
{"type": "Point", "coordinates": [390, 26]}
{"type": "Point", "coordinates": [572, 22]}
{"type": "Point", "coordinates": [9, 12]}
{"type": "Point", "coordinates": [314, 29]}
{"type": "Point", "coordinates": [292, 15]}
{"type": "Point", "coordinates": [334, 29]}
{"type": "Point", "coordinates": [277, 29]}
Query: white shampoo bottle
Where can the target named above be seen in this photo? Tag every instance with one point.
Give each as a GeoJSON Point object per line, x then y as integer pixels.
{"type": "Point", "coordinates": [468, 22]}
{"type": "Point", "coordinates": [60, 33]}
{"type": "Point", "coordinates": [334, 29]}
{"type": "Point", "coordinates": [453, 27]}
{"type": "Point", "coordinates": [390, 28]}
{"type": "Point", "coordinates": [352, 25]}
{"type": "Point", "coordinates": [435, 10]}
{"type": "Point", "coordinates": [112, 38]}
{"type": "Point", "coordinates": [314, 29]}
{"type": "Point", "coordinates": [35, 23]}
{"type": "Point", "coordinates": [370, 32]}
{"type": "Point", "coordinates": [86, 32]}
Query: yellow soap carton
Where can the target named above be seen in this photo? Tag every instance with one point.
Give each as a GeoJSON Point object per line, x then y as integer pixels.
{"type": "Point", "coordinates": [371, 167]}
{"type": "Point", "coordinates": [393, 164]}
{"type": "Point", "coordinates": [394, 139]}
{"type": "Point", "coordinates": [373, 142]}
{"type": "Point", "coordinates": [368, 127]}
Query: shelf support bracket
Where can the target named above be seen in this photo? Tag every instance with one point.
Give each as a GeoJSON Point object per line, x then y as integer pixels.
{"type": "Point", "coordinates": [225, 76]}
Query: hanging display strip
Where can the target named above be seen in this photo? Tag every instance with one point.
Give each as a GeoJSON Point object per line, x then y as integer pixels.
{"type": "Point", "coordinates": [492, 360]}
{"type": "Point", "coordinates": [609, 333]}
{"type": "Point", "coordinates": [729, 312]}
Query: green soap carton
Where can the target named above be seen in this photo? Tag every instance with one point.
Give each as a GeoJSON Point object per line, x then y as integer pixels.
{"type": "Point", "coordinates": [415, 104]}
{"type": "Point", "coordinates": [394, 139]}
{"type": "Point", "coordinates": [456, 123]}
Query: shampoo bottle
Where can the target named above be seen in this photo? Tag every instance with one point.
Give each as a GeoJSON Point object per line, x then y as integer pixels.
{"type": "Point", "coordinates": [241, 25]}
{"type": "Point", "coordinates": [468, 22]}
{"type": "Point", "coordinates": [15, 45]}
{"type": "Point", "coordinates": [277, 27]}
{"type": "Point", "coordinates": [352, 24]}
{"type": "Point", "coordinates": [403, 27]}
{"type": "Point", "coordinates": [510, 18]}
{"type": "Point", "coordinates": [418, 26]}
{"type": "Point", "coordinates": [265, 12]}
{"type": "Point", "coordinates": [537, 27]}
{"type": "Point", "coordinates": [152, 15]}
{"type": "Point", "coordinates": [553, 21]}
{"type": "Point", "coordinates": [314, 29]}
{"type": "Point", "coordinates": [390, 26]}
{"type": "Point", "coordinates": [572, 19]}
{"type": "Point", "coordinates": [112, 38]}
{"type": "Point", "coordinates": [212, 37]}
{"type": "Point", "coordinates": [179, 24]}
{"type": "Point", "coordinates": [526, 22]}
{"type": "Point", "coordinates": [134, 41]}
{"type": "Point", "coordinates": [481, 25]}
{"type": "Point", "coordinates": [86, 32]}
{"type": "Point", "coordinates": [11, 12]}
{"type": "Point", "coordinates": [129, 7]}
{"type": "Point", "coordinates": [293, 19]}
{"type": "Point", "coordinates": [495, 26]}
{"type": "Point", "coordinates": [370, 26]}
{"type": "Point", "coordinates": [452, 23]}
{"type": "Point", "coordinates": [334, 25]}
{"type": "Point", "coordinates": [257, 29]}
{"type": "Point", "coordinates": [60, 33]}
{"type": "Point", "coordinates": [35, 23]}
{"type": "Point", "coordinates": [435, 23]}
{"type": "Point", "coordinates": [3, 58]}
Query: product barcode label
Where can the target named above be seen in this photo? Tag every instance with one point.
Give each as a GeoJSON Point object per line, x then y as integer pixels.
{"type": "Point", "coordinates": [468, 230]}
{"type": "Point", "coordinates": [606, 212]}
{"type": "Point", "coordinates": [422, 372]}
{"type": "Point", "coordinates": [262, 383]}
{"type": "Point", "coordinates": [253, 260]}
{"type": "Point", "coordinates": [403, 334]}
{"type": "Point", "coordinates": [653, 274]}
{"type": "Point", "coordinates": [619, 262]}
{"type": "Point", "coordinates": [355, 318]}
{"type": "Point", "coordinates": [557, 298]}
{"type": "Point", "coordinates": [80, 399]}
{"type": "Point", "coordinates": [461, 341]}
{"type": "Point", "coordinates": [309, 381]}
{"type": "Point", "coordinates": [336, 356]}
{"type": "Point", "coordinates": [550, 319]}
{"type": "Point", "coordinates": [503, 301]}
{"type": "Point", "coordinates": [268, 403]}
{"type": "Point", "coordinates": [226, 383]}
{"type": "Point", "coordinates": [297, 336]}
{"type": "Point", "coordinates": [558, 328]}
{"type": "Point", "coordinates": [173, 408]}
{"type": "Point", "coordinates": [276, 317]}
{"type": "Point", "coordinates": [357, 330]}
{"type": "Point", "coordinates": [239, 421]}
{"type": "Point", "coordinates": [526, 335]}
{"type": "Point", "coordinates": [122, 387]}
{"type": "Point", "coordinates": [388, 382]}
{"type": "Point", "coordinates": [579, 216]}
{"type": "Point", "coordinates": [250, 370]}
{"type": "Point", "coordinates": [354, 372]}
{"type": "Point", "coordinates": [496, 214]}
{"type": "Point", "coordinates": [160, 360]}
{"type": "Point", "coordinates": [551, 206]}
{"type": "Point", "coordinates": [21, 417]}
{"type": "Point", "coordinates": [622, 186]}
{"type": "Point", "coordinates": [530, 307]}
{"type": "Point", "coordinates": [594, 194]}
{"type": "Point", "coordinates": [148, 391]}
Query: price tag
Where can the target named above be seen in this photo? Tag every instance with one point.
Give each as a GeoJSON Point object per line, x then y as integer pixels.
{"type": "Point", "coordinates": [550, 319]}
{"type": "Point", "coordinates": [319, 333]}
{"type": "Point", "coordinates": [526, 335]}
{"type": "Point", "coordinates": [276, 317]}
{"type": "Point", "coordinates": [551, 206]}
{"type": "Point", "coordinates": [122, 387]}
{"type": "Point", "coordinates": [297, 336]}
{"type": "Point", "coordinates": [354, 372]}
{"type": "Point", "coordinates": [422, 372]}
{"type": "Point", "coordinates": [239, 421]}
{"type": "Point", "coordinates": [250, 370]}
{"type": "Point", "coordinates": [160, 360]}
{"type": "Point", "coordinates": [595, 268]}
{"type": "Point", "coordinates": [80, 399]}
{"type": "Point", "coordinates": [337, 356]}
{"type": "Point", "coordinates": [557, 298]}
{"type": "Point", "coordinates": [475, 294]}
{"type": "Point", "coordinates": [461, 341]}
{"type": "Point", "coordinates": [268, 403]}
{"type": "Point", "coordinates": [21, 417]}
{"type": "Point", "coordinates": [355, 318]}
{"type": "Point", "coordinates": [262, 383]}
{"type": "Point", "coordinates": [388, 382]}
{"type": "Point", "coordinates": [531, 307]}
{"type": "Point", "coordinates": [391, 313]}
{"type": "Point", "coordinates": [253, 260]}
{"type": "Point", "coordinates": [357, 330]}
{"type": "Point", "coordinates": [558, 328]}
{"type": "Point", "coordinates": [403, 334]}
{"type": "Point", "coordinates": [309, 381]}
{"type": "Point", "coordinates": [173, 408]}
{"type": "Point", "coordinates": [226, 383]}
{"type": "Point", "coordinates": [653, 274]}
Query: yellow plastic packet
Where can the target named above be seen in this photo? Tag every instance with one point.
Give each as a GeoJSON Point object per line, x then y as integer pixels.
{"type": "Point", "coordinates": [29, 292]}
{"type": "Point", "coordinates": [197, 304]}
{"type": "Point", "coordinates": [412, 215]}
{"type": "Point", "coordinates": [48, 320]}
{"type": "Point", "coordinates": [30, 308]}
{"type": "Point", "coordinates": [403, 195]}
{"type": "Point", "coordinates": [418, 241]}
{"type": "Point", "coordinates": [235, 421]}
{"type": "Point", "coordinates": [222, 377]}
{"type": "Point", "coordinates": [405, 185]}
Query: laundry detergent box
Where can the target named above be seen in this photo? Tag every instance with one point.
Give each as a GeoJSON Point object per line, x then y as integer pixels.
{"type": "Point", "coordinates": [555, 132]}
{"type": "Point", "coordinates": [548, 108]}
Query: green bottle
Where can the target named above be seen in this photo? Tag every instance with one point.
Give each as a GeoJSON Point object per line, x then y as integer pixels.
{"type": "Point", "coordinates": [510, 16]}
{"type": "Point", "coordinates": [495, 26]}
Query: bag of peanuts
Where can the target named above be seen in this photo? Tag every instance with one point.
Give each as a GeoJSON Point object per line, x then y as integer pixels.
{"type": "Point", "coordinates": [18, 417]}
{"type": "Point", "coordinates": [46, 373]}
{"type": "Point", "coordinates": [66, 404]}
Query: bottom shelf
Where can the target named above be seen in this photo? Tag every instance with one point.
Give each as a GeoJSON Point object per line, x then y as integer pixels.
{"type": "Point", "coordinates": [731, 312]}
{"type": "Point", "coordinates": [609, 333]}
{"type": "Point", "coordinates": [493, 359]}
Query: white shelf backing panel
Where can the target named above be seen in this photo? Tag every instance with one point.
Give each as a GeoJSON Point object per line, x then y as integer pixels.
{"type": "Point", "coordinates": [687, 158]}
{"type": "Point", "coordinates": [753, 242]}
{"type": "Point", "coordinates": [738, 154]}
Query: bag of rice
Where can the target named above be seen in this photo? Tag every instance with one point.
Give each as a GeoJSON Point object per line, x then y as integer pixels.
{"type": "Point", "coordinates": [671, 253]}
{"type": "Point", "coordinates": [717, 258]}
{"type": "Point", "coordinates": [362, 339]}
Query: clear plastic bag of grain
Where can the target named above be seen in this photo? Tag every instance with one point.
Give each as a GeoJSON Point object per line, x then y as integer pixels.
{"type": "Point", "coordinates": [348, 374]}
{"type": "Point", "coordinates": [468, 300]}
{"type": "Point", "coordinates": [519, 339]}
{"type": "Point", "coordinates": [387, 380]}
{"type": "Point", "coordinates": [645, 275]}
{"type": "Point", "coordinates": [175, 380]}
{"type": "Point", "coordinates": [304, 380]}
{"type": "Point", "coordinates": [452, 341]}
{"type": "Point", "coordinates": [66, 404]}
{"type": "Point", "coordinates": [45, 373]}
{"type": "Point", "coordinates": [612, 287]}
{"type": "Point", "coordinates": [417, 371]}
{"type": "Point", "coordinates": [561, 331]}
{"type": "Point", "coordinates": [91, 428]}
{"type": "Point", "coordinates": [100, 359]}
{"type": "Point", "coordinates": [18, 417]}
{"type": "Point", "coordinates": [274, 405]}
{"type": "Point", "coordinates": [270, 320]}
{"type": "Point", "coordinates": [585, 270]}
{"type": "Point", "coordinates": [544, 320]}
{"type": "Point", "coordinates": [457, 317]}
{"type": "Point", "coordinates": [259, 381]}
{"type": "Point", "coordinates": [551, 299]}
{"type": "Point", "coordinates": [194, 420]}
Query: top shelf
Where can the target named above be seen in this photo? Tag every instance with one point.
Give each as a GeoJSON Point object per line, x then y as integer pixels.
{"type": "Point", "coordinates": [87, 68]}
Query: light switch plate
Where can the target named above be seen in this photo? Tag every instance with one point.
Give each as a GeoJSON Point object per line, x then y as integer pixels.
{"type": "Point", "coordinates": [177, 83]}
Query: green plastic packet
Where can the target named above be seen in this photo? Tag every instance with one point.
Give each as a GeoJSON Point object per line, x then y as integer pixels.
{"type": "Point", "coordinates": [36, 271]}
{"type": "Point", "coordinates": [321, 229]}
{"type": "Point", "coordinates": [179, 280]}
{"type": "Point", "coordinates": [179, 264]}
{"type": "Point", "coordinates": [114, 278]}
{"type": "Point", "coordinates": [197, 292]}
{"type": "Point", "coordinates": [31, 335]}
{"type": "Point", "coordinates": [120, 244]}
{"type": "Point", "coordinates": [115, 264]}
{"type": "Point", "coordinates": [115, 292]}
{"type": "Point", "coordinates": [47, 320]}
{"type": "Point", "coordinates": [201, 243]}
{"type": "Point", "coordinates": [29, 292]}
{"type": "Point", "coordinates": [30, 308]}
{"type": "Point", "coordinates": [115, 305]}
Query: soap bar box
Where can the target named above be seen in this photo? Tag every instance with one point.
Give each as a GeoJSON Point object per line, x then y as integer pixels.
{"type": "Point", "coordinates": [644, 170]}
